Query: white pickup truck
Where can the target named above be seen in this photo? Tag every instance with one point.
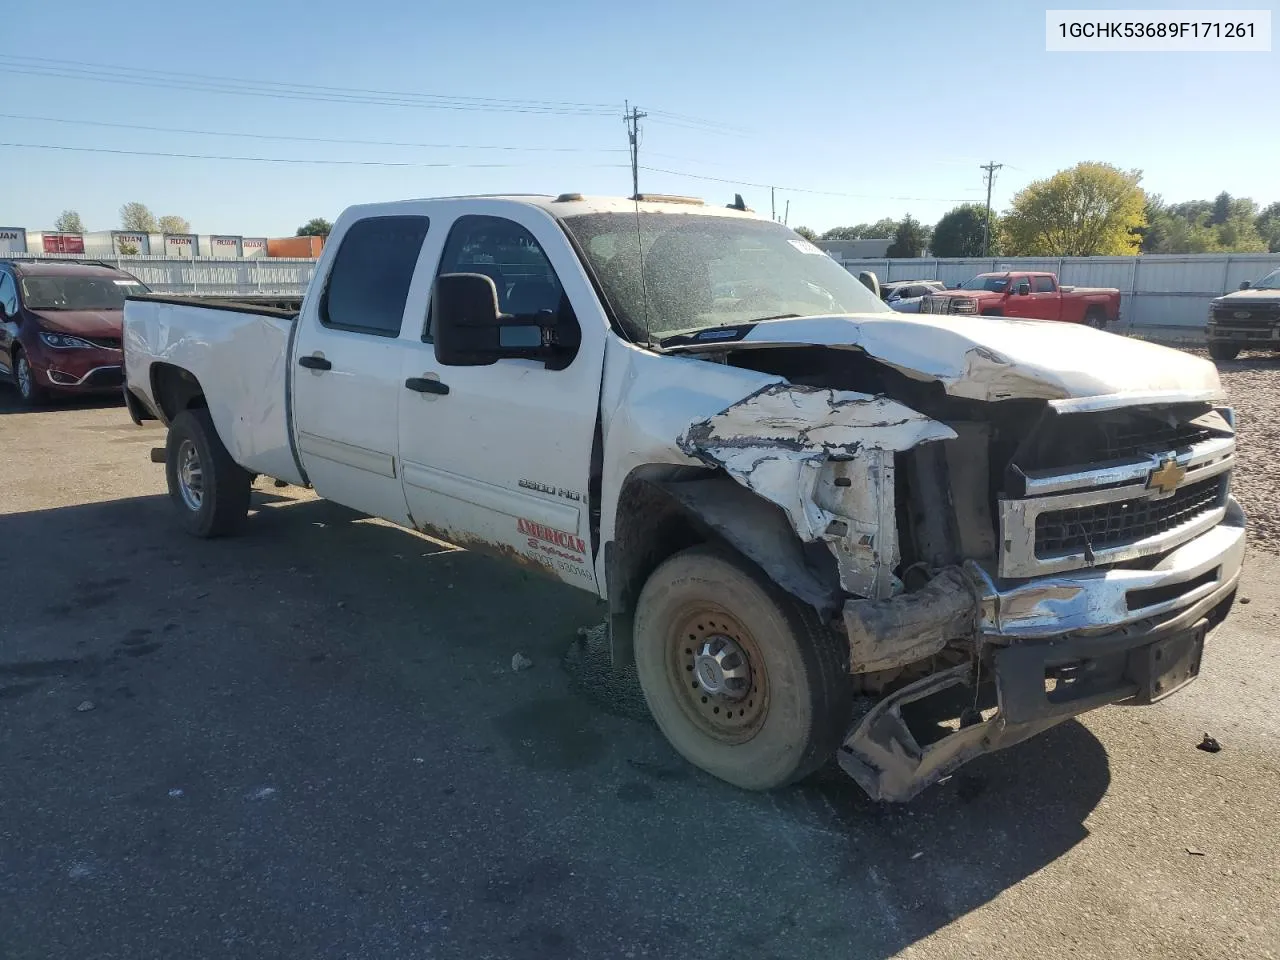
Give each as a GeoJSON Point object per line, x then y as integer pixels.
{"type": "Point", "coordinates": [822, 528]}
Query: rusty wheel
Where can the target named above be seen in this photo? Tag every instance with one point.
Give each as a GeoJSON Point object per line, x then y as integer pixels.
{"type": "Point", "coordinates": [744, 681]}
{"type": "Point", "coordinates": [717, 665]}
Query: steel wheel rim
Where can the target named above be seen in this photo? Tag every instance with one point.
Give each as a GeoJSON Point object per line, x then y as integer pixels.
{"type": "Point", "coordinates": [24, 377]}
{"type": "Point", "coordinates": [190, 475]}
{"type": "Point", "coordinates": [720, 712]}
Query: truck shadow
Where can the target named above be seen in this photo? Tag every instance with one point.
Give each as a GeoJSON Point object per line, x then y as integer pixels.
{"type": "Point", "coordinates": [329, 648]}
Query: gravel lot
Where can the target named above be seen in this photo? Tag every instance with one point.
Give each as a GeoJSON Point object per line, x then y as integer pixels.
{"type": "Point", "coordinates": [309, 742]}
{"type": "Point", "coordinates": [1253, 386]}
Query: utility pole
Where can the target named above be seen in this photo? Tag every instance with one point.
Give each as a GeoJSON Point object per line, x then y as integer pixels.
{"type": "Point", "coordinates": [632, 118]}
{"type": "Point", "coordinates": [773, 207]}
{"type": "Point", "coordinates": [991, 169]}
{"type": "Point", "coordinates": [786, 217]}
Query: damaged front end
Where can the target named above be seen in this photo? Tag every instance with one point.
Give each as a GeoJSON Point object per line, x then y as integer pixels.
{"type": "Point", "coordinates": [1002, 566]}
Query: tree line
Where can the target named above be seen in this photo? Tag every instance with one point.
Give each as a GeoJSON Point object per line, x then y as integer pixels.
{"type": "Point", "coordinates": [1089, 210]}
{"type": "Point", "coordinates": [133, 216]}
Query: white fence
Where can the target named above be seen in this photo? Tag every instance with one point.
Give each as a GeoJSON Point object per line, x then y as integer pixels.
{"type": "Point", "coordinates": [209, 276]}
{"type": "Point", "coordinates": [1164, 296]}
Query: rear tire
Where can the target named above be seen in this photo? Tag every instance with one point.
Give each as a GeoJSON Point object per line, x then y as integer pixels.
{"type": "Point", "coordinates": [701, 616]}
{"type": "Point", "coordinates": [1096, 317]}
{"type": "Point", "coordinates": [210, 490]}
{"type": "Point", "coordinates": [1222, 351]}
{"type": "Point", "coordinates": [30, 392]}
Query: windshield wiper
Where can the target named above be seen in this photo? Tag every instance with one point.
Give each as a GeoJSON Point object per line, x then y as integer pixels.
{"type": "Point", "coordinates": [776, 316]}
{"type": "Point", "coordinates": [720, 334]}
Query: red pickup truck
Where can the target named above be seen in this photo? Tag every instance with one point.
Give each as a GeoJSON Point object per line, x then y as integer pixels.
{"type": "Point", "coordinates": [1035, 296]}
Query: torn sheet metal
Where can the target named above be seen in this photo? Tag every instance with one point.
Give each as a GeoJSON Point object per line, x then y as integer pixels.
{"type": "Point", "coordinates": [826, 458]}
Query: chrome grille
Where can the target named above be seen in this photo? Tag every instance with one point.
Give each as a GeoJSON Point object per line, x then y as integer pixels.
{"type": "Point", "coordinates": [1094, 528]}
{"type": "Point", "coordinates": [1112, 510]}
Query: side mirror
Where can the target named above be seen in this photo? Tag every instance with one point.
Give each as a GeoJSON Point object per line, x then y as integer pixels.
{"type": "Point", "coordinates": [1245, 284]}
{"type": "Point", "coordinates": [1024, 289]}
{"type": "Point", "coordinates": [469, 331]}
{"type": "Point", "coordinates": [870, 281]}
{"type": "Point", "coordinates": [957, 286]}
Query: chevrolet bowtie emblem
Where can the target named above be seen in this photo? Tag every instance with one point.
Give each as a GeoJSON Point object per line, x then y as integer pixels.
{"type": "Point", "coordinates": [1166, 477]}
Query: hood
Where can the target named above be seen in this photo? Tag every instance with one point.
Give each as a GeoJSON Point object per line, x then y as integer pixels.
{"type": "Point", "coordinates": [998, 358]}
{"type": "Point", "coordinates": [976, 294]}
{"type": "Point", "coordinates": [1250, 297]}
{"type": "Point", "coordinates": [85, 323]}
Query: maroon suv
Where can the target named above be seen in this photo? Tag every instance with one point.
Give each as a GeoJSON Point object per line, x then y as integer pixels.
{"type": "Point", "coordinates": [60, 326]}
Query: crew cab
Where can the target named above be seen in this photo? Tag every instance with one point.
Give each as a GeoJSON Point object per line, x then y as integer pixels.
{"type": "Point", "coordinates": [816, 522]}
{"type": "Point", "coordinates": [1035, 296]}
{"type": "Point", "coordinates": [1246, 319]}
{"type": "Point", "coordinates": [60, 326]}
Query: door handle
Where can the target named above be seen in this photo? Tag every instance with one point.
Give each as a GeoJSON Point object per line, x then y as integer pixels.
{"type": "Point", "coordinates": [315, 363]}
{"type": "Point", "coordinates": [426, 385]}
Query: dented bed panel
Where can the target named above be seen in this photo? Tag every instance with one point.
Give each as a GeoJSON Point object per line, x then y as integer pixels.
{"type": "Point", "coordinates": [243, 352]}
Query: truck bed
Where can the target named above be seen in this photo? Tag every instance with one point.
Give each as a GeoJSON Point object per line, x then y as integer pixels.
{"type": "Point", "coordinates": [243, 347]}
{"type": "Point", "coordinates": [284, 305]}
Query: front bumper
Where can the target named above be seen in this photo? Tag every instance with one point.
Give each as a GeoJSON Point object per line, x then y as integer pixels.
{"type": "Point", "coordinates": [88, 370]}
{"type": "Point", "coordinates": [1045, 650]}
{"type": "Point", "coordinates": [1263, 336]}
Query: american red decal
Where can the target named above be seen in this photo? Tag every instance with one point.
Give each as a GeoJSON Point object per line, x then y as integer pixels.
{"type": "Point", "coordinates": [537, 531]}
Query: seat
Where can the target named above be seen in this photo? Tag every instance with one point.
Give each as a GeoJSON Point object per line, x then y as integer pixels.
{"type": "Point", "coordinates": [533, 296]}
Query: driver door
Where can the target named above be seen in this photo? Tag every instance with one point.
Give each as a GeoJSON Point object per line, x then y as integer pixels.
{"type": "Point", "coordinates": [498, 457]}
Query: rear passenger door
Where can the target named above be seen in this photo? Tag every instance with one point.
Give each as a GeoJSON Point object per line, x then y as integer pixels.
{"type": "Point", "coordinates": [1045, 302]}
{"type": "Point", "coordinates": [346, 375]}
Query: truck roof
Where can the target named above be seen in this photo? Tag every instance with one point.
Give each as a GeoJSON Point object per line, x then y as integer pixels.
{"type": "Point", "coordinates": [575, 204]}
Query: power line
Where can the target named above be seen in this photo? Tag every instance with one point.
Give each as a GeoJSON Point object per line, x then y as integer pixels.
{"type": "Point", "coordinates": [695, 123]}
{"type": "Point", "coordinates": [823, 193]}
{"type": "Point", "coordinates": [303, 95]}
{"type": "Point", "coordinates": [211, 83]}
{"type": "Point", "coordinates": [73, 69]}
{"type": "Point", "coordinates": [307, 160]}
{"type": "Point", "coordinates": [342, 140]}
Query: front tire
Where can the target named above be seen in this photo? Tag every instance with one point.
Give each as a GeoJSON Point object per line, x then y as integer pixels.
{"type": "Point", "coordinates": [24, 378]}
{"type": "Point", "coordinates": [744, 681]}
{"type": "Point", "coordinates": [1223, 350]}
{"type": "Point", "coordinates": [210, 490]}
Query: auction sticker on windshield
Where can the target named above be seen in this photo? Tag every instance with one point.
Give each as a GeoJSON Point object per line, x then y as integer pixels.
{"type": "Point", "coordinates": [804, 246]}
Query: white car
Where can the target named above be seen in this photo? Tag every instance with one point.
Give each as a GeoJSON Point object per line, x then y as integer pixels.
{"type": "Point", "coordinates": [905, 295]}
{"type": "Point", "coordinates": [808, 514]}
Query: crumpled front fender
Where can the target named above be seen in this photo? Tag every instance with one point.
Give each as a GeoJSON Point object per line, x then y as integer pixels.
{"type": "Point", "coordinates": [826, 457]}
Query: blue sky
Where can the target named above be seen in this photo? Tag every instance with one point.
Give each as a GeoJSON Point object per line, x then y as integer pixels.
{"type": "Point", "coordinates": [893, 106]}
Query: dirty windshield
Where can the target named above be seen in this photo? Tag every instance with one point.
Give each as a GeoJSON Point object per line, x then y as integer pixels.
{"type": "Point", "coordinates": [691, 272]}
{"type": "Point", "coordinates": [78, 293]}
{"type": "Point", "coordinates": [987, 281]}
